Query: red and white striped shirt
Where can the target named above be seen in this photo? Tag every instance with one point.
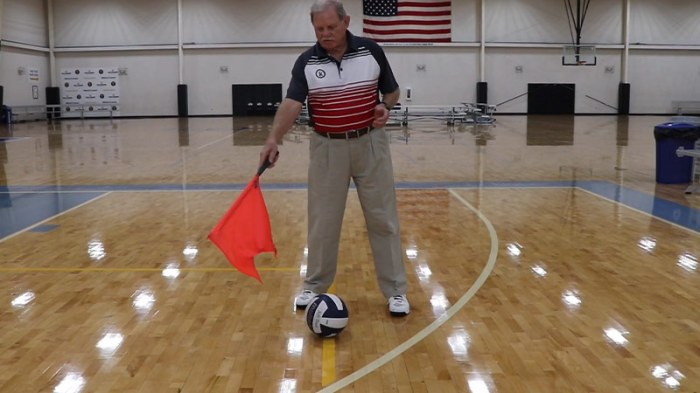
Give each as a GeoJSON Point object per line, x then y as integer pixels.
{"type": "Point", "coordinates": [342, 95]}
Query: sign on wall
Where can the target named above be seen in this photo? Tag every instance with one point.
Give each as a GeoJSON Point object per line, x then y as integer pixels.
{"type": "Point", "coordinates": [89, 92]}
{"type": "Point", "coordinates": [34, 75]}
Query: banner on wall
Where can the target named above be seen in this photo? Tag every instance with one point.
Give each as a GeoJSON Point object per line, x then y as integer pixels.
{"type": "Point", "coordinates": [89, 92]}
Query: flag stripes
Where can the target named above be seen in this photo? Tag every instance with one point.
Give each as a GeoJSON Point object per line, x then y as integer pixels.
{"type": "Point", "coordinates": [407, 21]}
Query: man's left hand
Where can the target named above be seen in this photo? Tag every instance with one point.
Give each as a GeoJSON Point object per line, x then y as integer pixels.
{"type": "Point", "coordinates": [381, 116]}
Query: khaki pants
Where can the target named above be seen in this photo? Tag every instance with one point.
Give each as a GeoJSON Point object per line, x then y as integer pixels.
{"type": "Point", "coordinates": [367, 160]}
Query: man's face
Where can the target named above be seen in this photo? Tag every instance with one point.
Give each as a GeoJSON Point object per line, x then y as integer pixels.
{"type": "Point", "coordinates": [330, 29]}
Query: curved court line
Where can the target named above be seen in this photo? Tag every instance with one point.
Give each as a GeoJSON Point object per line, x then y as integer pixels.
{"type": "Point", "coordinates": [403, 347]}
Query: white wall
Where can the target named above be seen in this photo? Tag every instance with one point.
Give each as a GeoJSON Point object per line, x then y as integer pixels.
{"type": "Point", "coordinates": [25, 21]}
{"type": "Point", "coordinates": [448, 75]}
{"type": "Point", "coordinates": [109, 23]}
{"type": "Point", "coordinates": [209, 89]}
{"type": "Point", "coordinates": [543, 65]}
{"type": "Point", "coordinates": [18, 87]}
{"type": "Point", "coordinates": [662, 78]}
{"type": "Point", "coordinates": [150, 86]}
{"type": "Point", "coordinates": [226, 21]}
{"type": "Point", "coordinates": [545, 21]}
{"type": "Point", "coordinates": [260, 40]}
{"type": "Point", "coordinates": [665, 22]}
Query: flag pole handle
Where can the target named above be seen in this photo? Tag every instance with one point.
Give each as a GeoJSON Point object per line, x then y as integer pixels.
{"type": "Point", "coordinates": [266, 164]}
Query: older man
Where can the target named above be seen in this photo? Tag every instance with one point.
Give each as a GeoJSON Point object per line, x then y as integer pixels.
{"type": "Point", "coordinates": [342, 76]}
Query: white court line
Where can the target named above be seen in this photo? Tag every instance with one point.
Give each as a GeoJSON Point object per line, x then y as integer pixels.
{"type": "Point", "coordinates": [8, 237]}
{"type": "Point", "coordinates": [49, 192]}
{"type": "Point", "coordinates": [204, 146]}
{"type": "Point", "coordinates": [403, 347]}
{"type": "Point", "coordinates": [673, 224]}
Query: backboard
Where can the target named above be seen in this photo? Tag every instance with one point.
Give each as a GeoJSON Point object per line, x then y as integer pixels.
{"type": "Point", "coordinates": [578, 55]}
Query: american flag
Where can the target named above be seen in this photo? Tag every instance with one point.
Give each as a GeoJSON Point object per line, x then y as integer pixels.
{"type": "Point", "coordinates": [407, 21]}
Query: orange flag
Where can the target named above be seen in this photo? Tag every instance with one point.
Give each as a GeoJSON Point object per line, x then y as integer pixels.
{"type": "Point", "coordinates": [244, 231]}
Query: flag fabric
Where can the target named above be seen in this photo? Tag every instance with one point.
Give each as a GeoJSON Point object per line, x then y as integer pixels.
{"type": "Point", "coordinates": [407, 21]}
{"type": "Point", "coordinates": [245, 231]}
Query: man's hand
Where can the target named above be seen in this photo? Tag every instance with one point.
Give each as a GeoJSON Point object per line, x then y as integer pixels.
{"type": "Point", "coordinates": [381, 116]}
{"type": "Point", "coordinates": [269, 152]}
{"type": "Point", "coordinates": [287, 113]}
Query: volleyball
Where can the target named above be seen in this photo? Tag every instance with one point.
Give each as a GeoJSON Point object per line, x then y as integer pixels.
{"type": "Point", "coordinates": [327, 315]}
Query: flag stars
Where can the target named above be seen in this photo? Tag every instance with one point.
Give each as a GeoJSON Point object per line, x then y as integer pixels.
{"type": "Point", "coordinates": [381, 7]}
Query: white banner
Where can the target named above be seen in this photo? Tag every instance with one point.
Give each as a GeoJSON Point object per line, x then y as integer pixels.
{"type": "Point", "coordinates": [89, 92]}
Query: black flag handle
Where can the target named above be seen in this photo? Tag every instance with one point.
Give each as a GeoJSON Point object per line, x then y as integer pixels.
{"type": "Point", "coordinates": [266, 164]}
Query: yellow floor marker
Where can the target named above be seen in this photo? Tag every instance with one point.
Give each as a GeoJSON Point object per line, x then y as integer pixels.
{"type": "Point", "coordinates": [328, 363]}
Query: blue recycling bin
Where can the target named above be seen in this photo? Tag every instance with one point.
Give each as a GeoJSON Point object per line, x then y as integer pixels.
{"type": "Point", "coordinates": [671, 169]}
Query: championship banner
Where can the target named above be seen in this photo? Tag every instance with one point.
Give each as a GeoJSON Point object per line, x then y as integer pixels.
{"type": "Point", "coordinates": [89, 92]}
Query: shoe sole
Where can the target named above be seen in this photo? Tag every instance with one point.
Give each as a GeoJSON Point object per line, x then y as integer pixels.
{"type": "Point", "coordinates": [398, 314]}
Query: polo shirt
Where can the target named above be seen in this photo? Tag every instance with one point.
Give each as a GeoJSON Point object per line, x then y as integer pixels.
{"type": "Point", "coordinates": [342, 95]}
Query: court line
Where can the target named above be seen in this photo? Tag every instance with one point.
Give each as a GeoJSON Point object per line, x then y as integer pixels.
{"type": "Point", "coordinates": [214, 142]}
{"type": "Point", "coordinates": [328, 362]}
{"type": "Point", "coordinates": [53, 217]}
{"type": "Point", "coordinates": [645, 213]}
{"type": "Point", "coordinates": [132, 269]}
{"type": "Point", "coordinates": [403, 347]}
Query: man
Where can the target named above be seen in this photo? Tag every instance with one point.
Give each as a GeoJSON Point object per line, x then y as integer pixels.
{"type": "Point", "coordinates": [342, 76]}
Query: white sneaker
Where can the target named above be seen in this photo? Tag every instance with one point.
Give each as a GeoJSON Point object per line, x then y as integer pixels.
{"type": "Point", "coordinates": [399, 306]}
{"type": "Point", "coordinates": [304, 298]}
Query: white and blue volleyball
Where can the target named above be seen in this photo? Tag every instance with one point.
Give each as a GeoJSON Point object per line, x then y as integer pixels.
{"type": "Point", "coordinates": [327, 315]}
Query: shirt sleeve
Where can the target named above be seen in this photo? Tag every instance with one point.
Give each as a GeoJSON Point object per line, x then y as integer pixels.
{"type": "Point", "coordinates": [387, 82]}
{"type": "Point", "coordinates": [298, 88]}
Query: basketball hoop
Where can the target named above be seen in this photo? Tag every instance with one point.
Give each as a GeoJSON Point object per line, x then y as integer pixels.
{"type": "Point", "coordinates": [578, 55]}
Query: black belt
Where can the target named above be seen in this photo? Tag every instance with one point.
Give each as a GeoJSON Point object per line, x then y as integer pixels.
{"type": "Point", "coordinates": [346, 135]}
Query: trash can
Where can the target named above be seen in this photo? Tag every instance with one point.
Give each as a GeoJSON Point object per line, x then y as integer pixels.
{"type": "Point", "coordinates": [6, 114]}
{"type": "Point", "coordinates": [671, 169]}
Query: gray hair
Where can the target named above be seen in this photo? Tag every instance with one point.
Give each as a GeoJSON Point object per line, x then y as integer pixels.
{"type": "Point", "coordinates": [322, 5]}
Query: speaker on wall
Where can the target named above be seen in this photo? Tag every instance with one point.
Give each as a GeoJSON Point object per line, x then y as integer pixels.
{"type": "Point", "coordinates": [623, 99]}
{"type": "Point", "coordinates": [182, 110]}
{"type": "Point", "coordinates": [482, 92]}
{"type": "Point", "coordinates": [53, 96]}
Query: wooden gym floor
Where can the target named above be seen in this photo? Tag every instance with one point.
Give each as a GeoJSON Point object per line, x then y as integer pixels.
{"type": "Point", "coordinates": [542, 257]}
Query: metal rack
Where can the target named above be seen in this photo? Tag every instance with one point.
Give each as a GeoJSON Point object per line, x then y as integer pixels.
{"type": "Point", "coordinates": [694, 187]}
{"type": "Point", "coordinates": [464, 113]}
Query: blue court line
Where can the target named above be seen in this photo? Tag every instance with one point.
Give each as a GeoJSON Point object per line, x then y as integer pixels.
{"type": "Point", "coordinates": [664, 209]}
{"type": "Point", "coordinates": [24, 206]}
{"type": "Point", "coordinates": [272, 186]}
{"type": "Point", "coordinates": [21, 210]}
{"type": "Point", "coordinates": [46, 228]}
{"type": "Point", "coordinates": [8, 139]}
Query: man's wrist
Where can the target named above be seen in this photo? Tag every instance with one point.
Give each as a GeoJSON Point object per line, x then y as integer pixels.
{"type": "Point", "coordinates": [387, 106]}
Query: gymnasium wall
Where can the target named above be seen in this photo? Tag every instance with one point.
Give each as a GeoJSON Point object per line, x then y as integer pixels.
{"type": "Point", "coordinates": [243, 41]}
{"type": "Point", "coordinates": [24, 23]}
